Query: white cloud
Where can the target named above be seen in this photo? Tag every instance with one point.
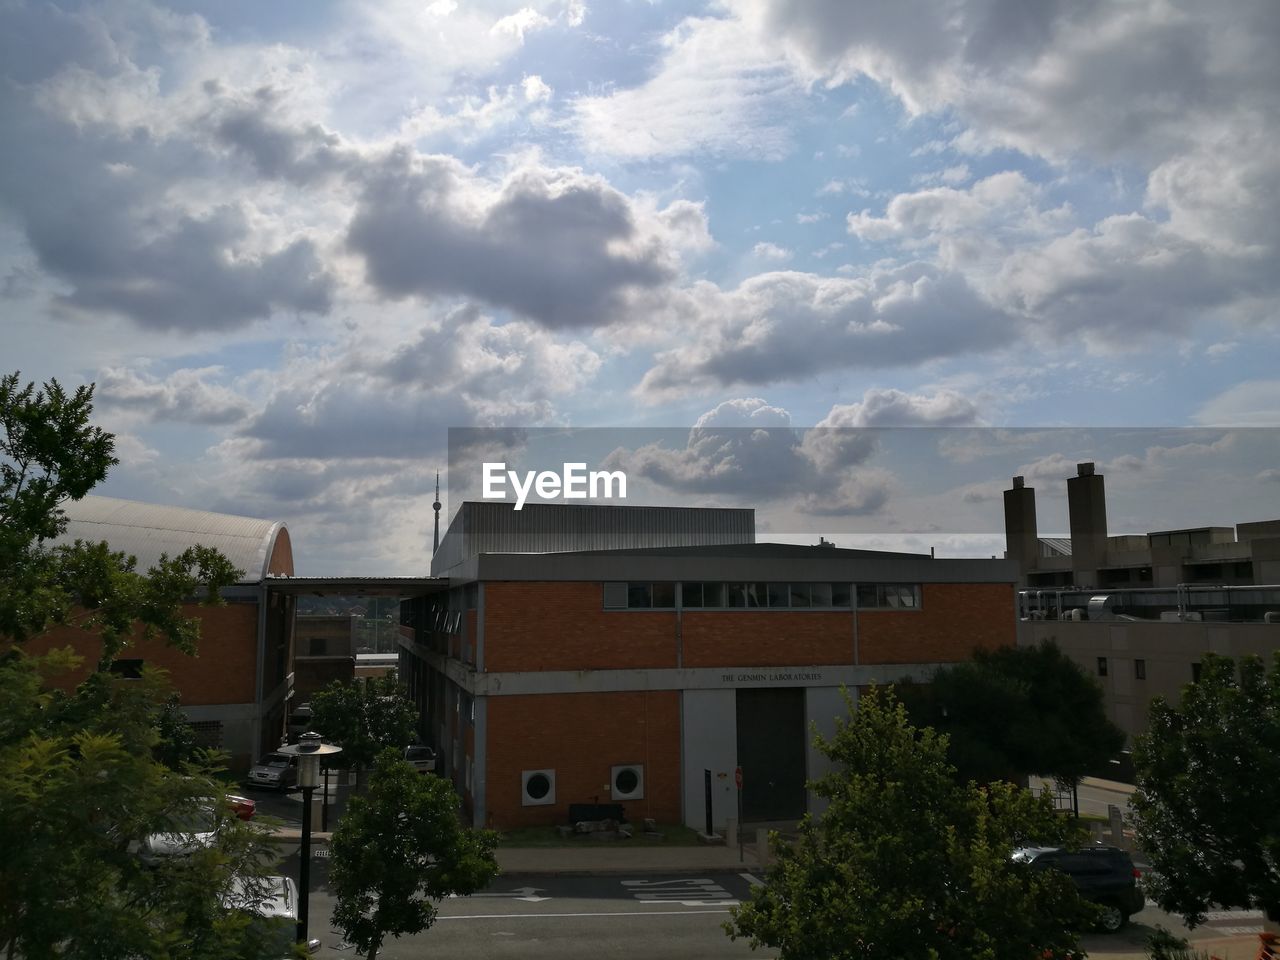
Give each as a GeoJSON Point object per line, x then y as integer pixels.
{"type": "Point", "coordinates": [771, 251]}
{"type": "Point", "coordinates": [1255, 403]}
{"type": "Point", "coordinates": [185, 395]}
{"type": "Point", "coordinates": [717, 90]}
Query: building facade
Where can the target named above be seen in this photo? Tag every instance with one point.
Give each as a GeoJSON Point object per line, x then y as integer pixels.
{"type": "Point", "coordinates": [234, 689]}
{"type": "Point", "coordinates": [1139, 612]}
{"type": "Point", "coordinates": [648, 676]}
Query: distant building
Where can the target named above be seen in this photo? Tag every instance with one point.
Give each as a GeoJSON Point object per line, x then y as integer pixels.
{"type": "Point", "coordinates": [583, 654]}
{"type": "Point", "coordinates": [1140, 611]}
{"type": "Point", "coordinates": [325, 651]}
{"type": "Point", "coordinates": [234, 690]}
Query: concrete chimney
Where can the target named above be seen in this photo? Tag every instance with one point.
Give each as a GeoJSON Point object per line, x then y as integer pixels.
{"type": "Point", "coordinates": [1087, 509]}
{"type": "Point", "coordinates": [1021, 542]}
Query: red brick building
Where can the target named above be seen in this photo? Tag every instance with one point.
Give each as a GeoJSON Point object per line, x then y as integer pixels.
{"type": "Point", "coordinates": [234, 690]}
{"type": "Point", "coordinates": [625, 674]}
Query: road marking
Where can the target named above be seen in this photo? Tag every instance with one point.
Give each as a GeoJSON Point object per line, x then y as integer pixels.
{"type": "Point", "coordinates": [752, 879]}
{"type": "Point", "coordinates": [527, 894]}
{"type": "Point", "coordinates": [538, 916]}
{"type": "Point", "coordinates": [688, 893]}
{"type": "Point", "coordinates": [1234, 915]}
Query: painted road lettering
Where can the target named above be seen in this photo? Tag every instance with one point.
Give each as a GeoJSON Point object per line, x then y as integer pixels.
{"type": "Point", "coordinates": [688, 893]}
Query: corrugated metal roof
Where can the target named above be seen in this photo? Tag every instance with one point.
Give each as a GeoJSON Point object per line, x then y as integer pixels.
{"type": "Point", "coordinates": [1055, 546]}
{"type": "Point", "coordinates": [147, 530]}
{"type": "Point", "coordinates": [497, 527]}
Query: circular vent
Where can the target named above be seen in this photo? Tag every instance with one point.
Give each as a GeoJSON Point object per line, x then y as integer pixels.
{"type": "Point", "coordinates": [626, 781]}
{"type": "Point", "coordinates": [538, 787]}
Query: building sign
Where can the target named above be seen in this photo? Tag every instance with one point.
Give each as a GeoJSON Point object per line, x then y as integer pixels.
{"type": "Point", "coordinates": [771, 678]}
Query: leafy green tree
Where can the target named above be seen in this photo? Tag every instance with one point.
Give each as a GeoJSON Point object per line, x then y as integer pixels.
{"type": "Point", "coordinates": [1207, 806]}
{"type": "Point", "coordinates": [80, 786]}
{"type": "Point", "coordinates": [364, 716]}
{"type": "Point", "coordinates": [906, 862]}
{"type": "Point", "coordinates": [398, 851]}
{"type": "Point", "coordinates": [1016, 711]}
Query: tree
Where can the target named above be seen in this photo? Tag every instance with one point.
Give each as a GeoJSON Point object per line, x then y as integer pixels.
{"type": "Point", "coordinates": [1207, 804]}
{"type": "Point", "coordinates": [400, 849]}
{"type": "Point", "coordinates": [1016, 711]}
{"type": "Point", "coordinates": [906, 862]}
{"type": "Point", "coordinates": [80, 783]}
{"type": "Point", "coordinates": [365, 716]}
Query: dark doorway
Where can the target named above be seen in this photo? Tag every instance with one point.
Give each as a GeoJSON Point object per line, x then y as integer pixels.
{"type": "Point", "coordinates": [771, 751]}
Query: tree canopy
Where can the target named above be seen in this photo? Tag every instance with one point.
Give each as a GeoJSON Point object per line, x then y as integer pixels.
{"type": "Point", "coordinates": [1016, 711]}
{"type": "Point", "coordinates": [907, 862]}
{"type": "Point", "coordinates": [82, 782]}
{"type": "Point", "coordinates": [1207, 806]}
{"type": "Point", "coordinates": [364, 716]}
{"type": "Point", "coordinates": [400, 849]}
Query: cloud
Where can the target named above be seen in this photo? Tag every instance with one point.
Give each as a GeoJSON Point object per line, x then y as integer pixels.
{"type": "Point", "coordinates": [771, 251]}
{"type": "Point", "coordinates": [747, 450]}
{"type": "Point", "coordinates": [1254, 403]}
{"type": "Point", "coordinates": [789, 326]}
{"type": "Point", "coordinates": [556, 245]}
{"type": "Point", "coordinates": [881, 407]}
{"type": "Point", "coordinates": [185, 396]}
{"type": "Point", "coordinates": [717, 90]}
{"type": "Point", "coordinates": [370, 401]}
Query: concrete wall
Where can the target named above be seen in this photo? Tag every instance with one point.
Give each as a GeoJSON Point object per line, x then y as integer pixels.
{"type": "Point", "coordinates": [709, 741]}
{"type": "Point", "coordinates": [1167, 650]}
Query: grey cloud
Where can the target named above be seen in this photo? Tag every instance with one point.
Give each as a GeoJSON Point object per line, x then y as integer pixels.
{"type": "Point", "coordinates": [789, 326]}
{"type": "Point", "coordinates": [184, 396]}
{"type": "Point", "coordinates": [95, 201]}
{"type": "Point", "coordinates": [747, 450]}
{"type": "Point", "coordinates": [554, 245]}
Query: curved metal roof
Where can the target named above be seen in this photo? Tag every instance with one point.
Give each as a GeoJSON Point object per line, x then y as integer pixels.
{"type": "Point", "coordinates": [147, 530]}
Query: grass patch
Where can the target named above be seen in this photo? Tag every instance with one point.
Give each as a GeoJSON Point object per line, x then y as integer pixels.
{"type": "Point", "coordinates": [673, 835]}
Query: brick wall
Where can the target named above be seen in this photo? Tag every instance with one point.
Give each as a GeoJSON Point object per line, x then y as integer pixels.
{"type": "Point", "coordinates": [582, 736]}
{"type": "Point", "coordinates": [563, 626]}
{"type": "Point", "coordinates": [772, 639]}
{"type": "Point", "coordinates": [222, 672]}
{"type": "Point", "coordinates": [953, 620]}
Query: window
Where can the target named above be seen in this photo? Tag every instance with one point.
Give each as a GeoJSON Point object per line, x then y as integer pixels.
{"type": "Point", "coordinates": [735, 594]}
{"type": "Point", "coordinates": [128, 669]}
{"type": "Point", "coordinates": [1139, 669]}
{"type": "Point", "coordinates": [1102, 666]}
{"type": "Point", "coordinates": [839, 594]}
{"type": "Point", "coordinates": [820, 594]}
{"type": "Point", "coordinates": [697, 594]}
{"type": "Point", "coordinates": [891, 596]}
{"type": "Point", "coordinates": [778, 595]}
{"type": "Point", "coordinates": [800, 595]}
{"type": "Point", "coordinates": [1195, 673]}
{"type": "Point", "coordinates": [638, 595]}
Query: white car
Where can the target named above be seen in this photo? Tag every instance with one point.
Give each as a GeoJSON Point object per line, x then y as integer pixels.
{"type": "Point", "coordinates": [273, 902]}
{"type": "Point", "coordinates": [184, 833]}
{"type": "Point", "coordinates": [421, 757]}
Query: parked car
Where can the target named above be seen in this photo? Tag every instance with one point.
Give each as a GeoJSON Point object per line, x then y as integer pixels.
{"type": "Point", "coordinates": [299, 721]}
{"type": "Point", "coordinates": [184, 832]}
{"type": "Point", "coordinates": [275, 771]}
{"type": "Point", "coordinates": [422, 757]}
{"type": "Point", "coordinates": [242, 807]}
{"type": "Point", "coordinates": [273, 906]}
{"type": "Point", "coordinates": [1103, 875]}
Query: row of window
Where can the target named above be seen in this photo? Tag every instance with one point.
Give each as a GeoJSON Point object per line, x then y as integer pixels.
{"type": "Point", "coordinates": [1140, 669]}
{"type": "Point", "coordinates": [691, 595]}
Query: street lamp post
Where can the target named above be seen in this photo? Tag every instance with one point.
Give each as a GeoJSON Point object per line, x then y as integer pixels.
{"type": "Point", "coordinates": [309, 750]}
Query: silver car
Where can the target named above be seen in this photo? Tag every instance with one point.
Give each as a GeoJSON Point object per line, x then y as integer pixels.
{"type": "Point", "coordinates": [275, 771]}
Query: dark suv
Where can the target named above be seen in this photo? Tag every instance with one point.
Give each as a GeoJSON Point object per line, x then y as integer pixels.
{"type": "Point", "coordinates": [1103, 875]}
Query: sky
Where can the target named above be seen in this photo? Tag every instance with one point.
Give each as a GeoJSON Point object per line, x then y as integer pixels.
{"type": "Point", "coordinates": [293, 244]}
